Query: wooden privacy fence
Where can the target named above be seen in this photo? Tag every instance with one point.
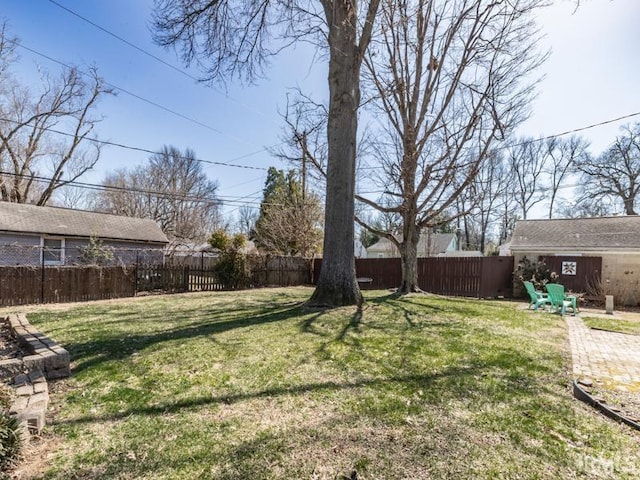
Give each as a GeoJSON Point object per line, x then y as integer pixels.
{"type": "Point", "coordinates": [578, 274]}
{"type": "Point", "coordinates": [481, 277]}
{"type": "Point", "coordinates": [470, 277]}
{"type": "Point", "coordinates": [279, 271]}
{"type": "Point", "coordinates": [23, 285]}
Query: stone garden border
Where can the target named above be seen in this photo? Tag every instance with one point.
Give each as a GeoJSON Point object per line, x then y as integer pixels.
{"type": "Point", "coordinates": [45, 360]}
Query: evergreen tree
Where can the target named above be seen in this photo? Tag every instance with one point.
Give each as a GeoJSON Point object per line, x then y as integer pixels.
{"type": "Point", "coordinates": [290, 218]}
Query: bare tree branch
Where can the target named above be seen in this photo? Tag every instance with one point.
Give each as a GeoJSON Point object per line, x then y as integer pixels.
{"type": "Point", "coordinates": [448, 77]}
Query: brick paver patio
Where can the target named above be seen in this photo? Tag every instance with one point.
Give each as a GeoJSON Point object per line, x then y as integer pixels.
{"type": "Point", "coordinates": [609, 357]}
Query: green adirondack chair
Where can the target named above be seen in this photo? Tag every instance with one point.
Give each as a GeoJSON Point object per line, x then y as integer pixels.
{"type": "Point", "coordinates": [560, 301]}
{"type": "Point", "coordinates": [537, 298]}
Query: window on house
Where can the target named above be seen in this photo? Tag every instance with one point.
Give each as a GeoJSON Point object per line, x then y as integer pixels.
{"type": "Point", "coordinates": [53, 251]}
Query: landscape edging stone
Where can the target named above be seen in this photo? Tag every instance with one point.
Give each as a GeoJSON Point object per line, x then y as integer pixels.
{"type": "Point", "coordinates": [46, 360]}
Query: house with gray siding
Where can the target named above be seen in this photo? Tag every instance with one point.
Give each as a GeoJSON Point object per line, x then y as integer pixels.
{"type": "Point", "coordinates": [34, 235]}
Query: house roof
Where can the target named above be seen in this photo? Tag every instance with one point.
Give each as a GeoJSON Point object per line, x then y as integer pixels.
{"type": "Point", "coordinates": [24, 218]}
{"type": "Point", "coordinates": [434, 244]}
{"type": "Point", "coordinates": [621, 232]}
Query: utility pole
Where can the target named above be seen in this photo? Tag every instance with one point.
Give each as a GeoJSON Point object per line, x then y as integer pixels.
{"type": "Point", "coordinates": [303, 145]}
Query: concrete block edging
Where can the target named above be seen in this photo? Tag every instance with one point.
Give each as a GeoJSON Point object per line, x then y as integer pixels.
{"type": "Point", "coordinates": [44, 360]}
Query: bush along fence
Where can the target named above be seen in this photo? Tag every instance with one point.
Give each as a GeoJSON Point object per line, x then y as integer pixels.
{"type": "Point", "coordinates": [44, 283]}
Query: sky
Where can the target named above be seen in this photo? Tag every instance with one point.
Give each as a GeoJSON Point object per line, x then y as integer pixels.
{"type": "Point", "coordinates": [591, 77]}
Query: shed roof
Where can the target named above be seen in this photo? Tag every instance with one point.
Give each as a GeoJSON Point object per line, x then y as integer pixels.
{"type": "Point", "coordinates": [621, 232]}
{"type": "Point", "coordinates": [24, 218]}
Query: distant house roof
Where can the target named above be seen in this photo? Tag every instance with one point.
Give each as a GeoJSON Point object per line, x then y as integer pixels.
{"type": "Point", "coordinates": [428, 245]}
{"type": "Point", "coordinates": [24, 218]}
{"type": "Point", "coordinates": [436, 243]}
{"type": "Point", "coordinates": [577, 234]}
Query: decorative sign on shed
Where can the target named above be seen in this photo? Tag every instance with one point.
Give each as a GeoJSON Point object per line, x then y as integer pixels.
{"type": "Point", "coordinates": [568, 268]}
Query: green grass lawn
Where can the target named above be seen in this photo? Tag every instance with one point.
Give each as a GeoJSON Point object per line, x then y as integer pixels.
{"type": "Point", "coordinates": [248, 385]}
{"type": "Point", "coordinates": [631, 327]}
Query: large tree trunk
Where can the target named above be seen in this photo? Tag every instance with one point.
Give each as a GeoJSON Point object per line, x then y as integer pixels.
{"type": "Point", "coordinates": [628, 206]}
{"type": "Point", "coordinates": [337, 283]}
{"type": "Point", "coordinates": [409, 259]}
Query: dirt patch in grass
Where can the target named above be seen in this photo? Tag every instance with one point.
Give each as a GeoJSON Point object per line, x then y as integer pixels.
{"type": "Point", "coordinates": [37, 456]}
{"type": "Point", "coordinates": [9, 348]}
{"type": "Point", "coordinates": [624, 402]}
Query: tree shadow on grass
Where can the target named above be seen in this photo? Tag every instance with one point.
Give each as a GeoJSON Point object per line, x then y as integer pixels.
{"type": "Point", "coordinates": [116, 347]}
{"type": "Point", "coordinates": [352, 325]}
{"type": "Point", "coordinates": [454, 383]}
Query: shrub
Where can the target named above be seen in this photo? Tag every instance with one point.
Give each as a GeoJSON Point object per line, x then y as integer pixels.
{"type": "Point", "coordinates": [535, 272]}
{"type": "Point", "coordinates": [231, 268]}
{"type": "Point", "coordinates": [10, 437]}
{"type": "Point", "coordinates": [95, 253]}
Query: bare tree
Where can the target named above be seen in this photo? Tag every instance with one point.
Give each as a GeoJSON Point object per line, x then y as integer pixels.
{"type": "Point", "coordinates": [230, 40]}
{"type": "Point", "coordinates": [171, 189]}
{"type": "Point", "coordinates": [74, 197]}
{"type": "Point", "coordinates": [616, 173]}
{"type": "Point", "coordinates": [540, 168]}
{"type": "Point", "coordinates": [480, 208]}
{"type": "Point", "coordinates": [44, 135]}
{"type": "Point", "coordinates": [447, 75]}
{"type": "Point", "coordinates": [247, 217]}
{"type": "Point", "coordinates": [304, 139]}
{"type": "Point", "coordinates": [562, 156]}
{"type": "Point", "coordinates": [580, 208]}
{"type": "Point", "coordinates": [124, 194]}
{"type": "Point", "coordinates": [527, 159]}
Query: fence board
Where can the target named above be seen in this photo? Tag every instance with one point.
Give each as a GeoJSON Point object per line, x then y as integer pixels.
{"type": "Point", "coordinates": [587, 272]}
{"type": "Point", "coordinates": [475, 277]}
{"type": "Point", "coordinates": [23, 285]}
{"type": "Point", "coordinates": [482, 277]}
{"type": "Point", "coordinates": [278, 271]}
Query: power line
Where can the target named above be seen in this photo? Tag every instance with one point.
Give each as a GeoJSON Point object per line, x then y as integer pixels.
{"type": "Point", "coordinates": [151, 102]}
{"type": "Point", "coordinates": [140, 149]}
{"type": "Point", "coordinates": [588, 127]}
{"type": "Point", "coordinates": [154, 57]}
{"type": "Point", "coordinates": [235, 209]}
{"type": "Point", "coordinates": [158, 194]}
{"type": "Point", "coordinates": [541, 139]}
{"type": "Point", "coordinates": [261, 178]}
{"type": "Point", "coordinates": [123, 90]}
{"type": "Point", "coordinates": [125, 41]}
{"type": "Point", "coordinates": [192, 77]}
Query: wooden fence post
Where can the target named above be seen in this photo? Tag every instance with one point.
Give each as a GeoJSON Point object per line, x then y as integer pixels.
{"type": "Point", "coordinates": [185, 281]}
{"type": "Point", "coordinates": [42, 275]}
